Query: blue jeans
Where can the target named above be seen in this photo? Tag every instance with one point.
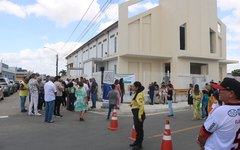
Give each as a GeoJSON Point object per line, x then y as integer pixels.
{"type": "Point", "coordinates": [49, 108]}
{"type": "Point", "coordinates": [170, 109]}
{"type": "Point", "coordinates": [22, 102]}
{"type": "Point", "coordinates": [94, 99]}
{"type": "Point", "coordinates": [110, 108]}
{"type": "Point", "coordinates": [204, 109]}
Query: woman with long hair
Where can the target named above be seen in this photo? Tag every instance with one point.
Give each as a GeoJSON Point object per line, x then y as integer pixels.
{"type": "Point", "coordinates": [137, 106]}
{"type": "Point", "coordinates": [197, 102]}
{"type": "Point", "coordinates": [190, 99]}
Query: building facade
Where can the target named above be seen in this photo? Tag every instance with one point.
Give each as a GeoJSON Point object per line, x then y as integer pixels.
{"type": "Point", "coordinates": [7, 72]}
{"type": "Point", "coordinates": [182, 41]}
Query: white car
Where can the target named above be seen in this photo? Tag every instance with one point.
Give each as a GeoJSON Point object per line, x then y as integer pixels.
{"type": "Point", "coordinates": [1, 93]}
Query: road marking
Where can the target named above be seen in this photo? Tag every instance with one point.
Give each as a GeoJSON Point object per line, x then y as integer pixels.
{"type": "Point", "coordinates": [3, 117]}
{"type": "Point", "coordinates": [177, 131]}
{"type": "Point", "coordinates": [129, 114]}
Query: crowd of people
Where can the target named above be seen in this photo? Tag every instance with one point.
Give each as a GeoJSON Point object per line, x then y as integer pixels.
{"type": "Point", "coordinates": [53, 92]}
{"type": "Point", "coordinates": [203, 101]}
{"type": "Point", "coordinates": [218, 103]}
{"type": "Point", "coordinates": [163, 94]}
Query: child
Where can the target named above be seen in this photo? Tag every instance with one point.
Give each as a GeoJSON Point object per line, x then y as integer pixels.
{"type": "Point", "coordinates": [113, 97]}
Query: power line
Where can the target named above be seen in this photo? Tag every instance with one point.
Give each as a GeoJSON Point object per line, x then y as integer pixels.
{"type": "Point", "coordinates": [77, 25]}
{"type": "Point", "coordinates": [106, 4]}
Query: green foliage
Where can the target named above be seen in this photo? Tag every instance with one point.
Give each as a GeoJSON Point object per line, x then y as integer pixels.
{"type": "Point", "coordinates": [63, 72]}
{"type": "Point", "coordinates": [236, 72]}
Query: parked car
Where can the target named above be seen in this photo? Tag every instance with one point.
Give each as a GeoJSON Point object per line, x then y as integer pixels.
{"type": "Point", "coordinates": [1, 93]}
{"type": "Point", "coordinates": [17, 82]}
{"type": "Point", "coordinates": [7, 87]}
{"type": "Point", "coordinates": [14, 86]}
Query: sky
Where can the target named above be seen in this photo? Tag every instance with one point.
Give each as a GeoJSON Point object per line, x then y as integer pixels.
{"type": "Point", "coordinates": [32, 32]}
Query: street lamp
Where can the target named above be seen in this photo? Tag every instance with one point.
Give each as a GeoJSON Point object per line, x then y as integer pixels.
{"type": "Point", "coordinates": [56, 58]}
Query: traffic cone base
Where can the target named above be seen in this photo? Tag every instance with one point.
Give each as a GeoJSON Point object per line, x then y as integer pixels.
{"type": "Point", "coordinates": [134, 134]}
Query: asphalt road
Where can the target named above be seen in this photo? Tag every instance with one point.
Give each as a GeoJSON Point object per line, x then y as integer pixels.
{"type": "Point", "coordinates": [19, 131]}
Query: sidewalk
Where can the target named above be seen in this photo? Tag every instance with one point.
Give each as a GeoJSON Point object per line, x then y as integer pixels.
{"type": "Point", "coordinates": [149, 109]}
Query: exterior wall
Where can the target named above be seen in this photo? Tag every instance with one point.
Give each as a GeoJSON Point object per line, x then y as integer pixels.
{"type": "Point", "coordinates": [97, 53]}
{"type": "Point", "coordinates": [143, 44]}
{"type": "Point", "coordinates": [156, 33]}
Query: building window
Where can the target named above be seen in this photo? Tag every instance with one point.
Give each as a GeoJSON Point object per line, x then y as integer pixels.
{"type": "Point", "coordinates": [115, 44]}
{"type": "Point", "coordinates": [182, 33]}
{"type": "Point", "coordinates": [112, 36]}
{"type": "Point", "coordinates": [115, 69]}
{"type": "Point", "coordinates": [219, 28]}
{"type": "Point", "coordinates": [102, 50]}
{"type": "Point", "coordinates": [198, 68]}
{"type": "Point", "coordinates": [212, 35]}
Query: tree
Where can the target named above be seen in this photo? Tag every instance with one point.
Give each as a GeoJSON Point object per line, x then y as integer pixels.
{"type": "Point", "coordinates": [63, 72]}
{"type": "Point", "coordinates": [236, 72]}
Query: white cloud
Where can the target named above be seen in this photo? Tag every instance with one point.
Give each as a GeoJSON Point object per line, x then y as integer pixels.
{"type": "Point", "coordinates": [62, 12]}
{"type": "Point", "coordinates": [42, 60]}
{"type": "Point", "coordinates": [44, 37]}
{"type": "Point", "coordinates": [228, 4]}
{"type": "Point", "coordinates": [231, 14]}
{"type": "Point", "coordinates": [141, 5]}
{"type": "Point", "coordinates": [11, 8]}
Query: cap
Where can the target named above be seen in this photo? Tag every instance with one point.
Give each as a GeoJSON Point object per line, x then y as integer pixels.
{"type": "Point", "coordinates": [229, 84]}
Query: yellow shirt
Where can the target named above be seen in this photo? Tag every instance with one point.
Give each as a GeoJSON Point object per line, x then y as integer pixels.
{"type": "Point", "coordinates": [139, 103]}
{"type": "Point", "coordinates": [24, 91]}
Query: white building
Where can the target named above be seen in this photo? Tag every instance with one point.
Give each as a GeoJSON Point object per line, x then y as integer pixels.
{"type": "Point", "coordinates": [180, 40]}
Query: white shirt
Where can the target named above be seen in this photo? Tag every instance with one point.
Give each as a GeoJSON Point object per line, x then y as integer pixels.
{"type": "Point", "coordinates": [49, 90]}
{"type": "Point", "coordinates": [224, 124]}
{"type": "Point", "coordinates": [86, 87]}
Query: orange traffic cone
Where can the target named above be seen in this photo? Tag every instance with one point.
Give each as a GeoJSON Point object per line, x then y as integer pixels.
{"type": "Point", "coordinates": [167, 139]}
{"type": "Point", "coordinates": [114, 121]}
{"type": "Point", "coordinates": [133, 137]}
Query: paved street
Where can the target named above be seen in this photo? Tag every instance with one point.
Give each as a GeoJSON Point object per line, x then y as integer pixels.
{"type": "Point", "coordinates": [22, 132]}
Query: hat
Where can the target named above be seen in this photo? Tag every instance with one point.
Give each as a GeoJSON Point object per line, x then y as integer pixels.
{"type": "Point", "coordinates": [229, 84]}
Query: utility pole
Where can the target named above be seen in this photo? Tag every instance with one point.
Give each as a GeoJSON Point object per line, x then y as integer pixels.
{"type": "Point", "coordinates": [56, 59]}
{"type": "Point", "coordinates": [57, 64]}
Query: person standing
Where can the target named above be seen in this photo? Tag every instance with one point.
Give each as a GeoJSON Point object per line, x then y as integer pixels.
{"type": "Point", "coordinates": [81, 100]}
{"type": "Point", "coordinates": [221, 130]}
{"type": "Point", "coordinates": [118, 89]}
{"type": "Point", "coordinates": [71, 96]}
{"type": "Point", "coordinates": [197, 101]}
{"type": "Point", "coordinates": [137, 106]}
{"type": "Point", "coordinates": [49, 97]}
{"type": "Point", "coordinates": [33, 88]}
{"type": "Point", "coordinates": [170, 99]}
{"type": "Point", "coordinates": [121, 83]}
{"type": "Point", "coordinates": [151, 89]}
{"type": "Point", "coordinates": [205, 104]}
{"type": "Point", "coordinates": [23, 93]}
{"type": "Point", "coordinates": [93, 91]}
{"type": "Point", "coordinates": [40, 94]}
{"type": "Point", "coordinates": [189, 92]}
{"type": "Point", "coordinates": [58, 100]}
{"type": "Point", "coordinates": [113, 96]}
{"type": "Point", "coordinates": [64, 94]}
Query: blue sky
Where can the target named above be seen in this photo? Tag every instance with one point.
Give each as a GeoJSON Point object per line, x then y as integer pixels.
{"type": "Point", "coordinates": [27, 26]}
